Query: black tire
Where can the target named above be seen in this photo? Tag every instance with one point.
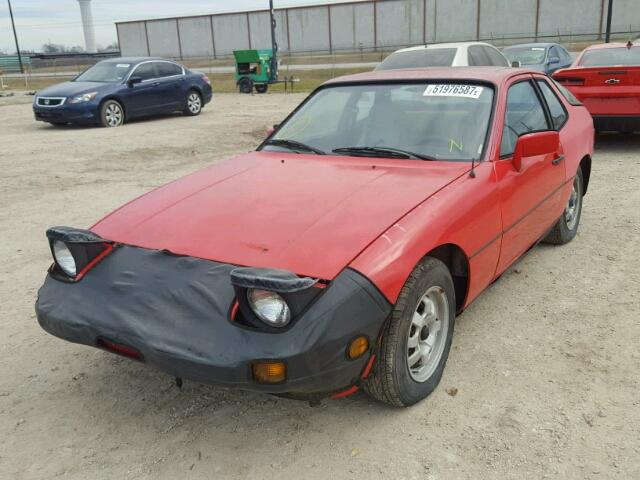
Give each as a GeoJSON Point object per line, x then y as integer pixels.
{"type": "Point", "coordinates": [193, 105]}
{"type": "Point", "coordinates": [111, 114]}
{"type": "Point", "coordinates": [565, 230]}
{"type": "Point", "coordinates": [262, 88]}
{"type": "Point", "coordinates": [245, 85]}
{"type": "Point", "coordinates": [391, 380]}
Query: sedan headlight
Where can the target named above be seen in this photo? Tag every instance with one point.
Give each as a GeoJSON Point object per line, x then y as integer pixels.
{"type": "Point", "coordinates": [269, 307]}
{"type": "Point", "coordinates": [85, 97]}
{"type": "Point", "coordinates": [63, 258]}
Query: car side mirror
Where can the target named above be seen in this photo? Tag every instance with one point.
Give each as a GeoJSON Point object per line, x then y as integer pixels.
{"type": "Point", "coordinates": [554, 60]}
{"type": "Point", "coordinates": [515, 64]}
{"type": "Point", "coordinates": [533, 145]}
{"type": "Point", "coordinates": [134, 81]}
{"type": "Point", "coordinates": [271, 130]}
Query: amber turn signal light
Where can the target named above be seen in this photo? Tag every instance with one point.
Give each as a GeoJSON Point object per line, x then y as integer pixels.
{"type": "Point", "coordinates": [269, 372]}
{"type": "Point", "coordinates": [358, 347]}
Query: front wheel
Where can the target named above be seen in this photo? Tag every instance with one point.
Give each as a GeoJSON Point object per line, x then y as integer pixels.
{"type": "Point", "coordinates": [194, 104]}
{"type": "Point", "coordinates": [566, 227]}
{"type": "Point", "coordinates": [111, 114]}
{"type": "Point", "coordinates": [245, 84]}
{"type": "Point", "coordinates": [417, 338]}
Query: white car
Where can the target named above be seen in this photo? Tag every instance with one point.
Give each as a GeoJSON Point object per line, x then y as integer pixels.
{"type": "Point", "coordinates": [462, 54]}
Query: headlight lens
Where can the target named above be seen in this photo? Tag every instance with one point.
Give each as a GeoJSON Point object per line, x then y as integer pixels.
{"type": "Point", "coordinates": [63, 258]}
{"type": "Point", "coordinates": [85, 97]}
{"type": "Point", "coordinates": [269, 307]}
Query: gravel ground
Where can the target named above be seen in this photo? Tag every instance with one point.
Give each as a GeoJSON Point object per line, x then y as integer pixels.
{"type": "Point", "coordinates": [542, 380]}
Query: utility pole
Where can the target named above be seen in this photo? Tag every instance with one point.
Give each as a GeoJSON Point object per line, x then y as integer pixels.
{"type": "Point", "coordinates": [15, 37]}
{"type": "Point", "coordinates": [607, 37]}
{"type": "Point", "coordinates": [274, 43]}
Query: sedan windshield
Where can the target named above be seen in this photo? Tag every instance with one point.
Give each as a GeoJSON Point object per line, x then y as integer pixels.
{"type": "Point", "coordinates": [425, 121]}
{"type": "Point", "coordinates": [107, 72]}
{"type": "Point", "coordinates": [435, 57]}
{"type": "Point", "coordinates": [526, 56]}
{"type": "Point", "coordinates": [610, 57]}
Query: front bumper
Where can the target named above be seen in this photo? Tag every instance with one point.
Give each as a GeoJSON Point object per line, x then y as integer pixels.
{"type": "Point", "coordinates": [176, 312]}
{"type": "Point", "coordinates": [81, 113]}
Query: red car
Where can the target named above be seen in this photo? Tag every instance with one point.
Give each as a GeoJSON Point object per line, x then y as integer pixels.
{"type": "Point", "coordinates": [338, 254]}
{"type": "Point", "coordinates": [606, 79]}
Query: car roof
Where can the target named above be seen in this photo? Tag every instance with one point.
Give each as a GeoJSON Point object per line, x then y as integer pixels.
{"type": "Point", "coordinates": [534, 44]}
{"type": "Point", "coordinates": [442, 45]}
{"type": "Point", "coordinates": [132, 60]}
{"type": "Point", "coordinates": [493, 75]}
{"type": "Point", "coordinates": [603, 46]}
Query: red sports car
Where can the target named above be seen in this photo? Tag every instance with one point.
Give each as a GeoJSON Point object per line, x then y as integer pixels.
{"type": "Point", "coordinates": [338, 254]}
{"type": "Point", "coordinates": [606, 79]}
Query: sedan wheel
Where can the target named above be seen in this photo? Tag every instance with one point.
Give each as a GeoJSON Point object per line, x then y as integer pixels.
{"type": "Point", "coordinates": [112, 114]}
{"type": "Point", "coordinates": [427, 334]}
{"type": "Point", "coordinates": [417, 338]}
{"type": "Point", "coordinates": [194, 103]}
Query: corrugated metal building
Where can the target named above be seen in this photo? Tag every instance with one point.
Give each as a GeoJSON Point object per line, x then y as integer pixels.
{"type": "Point", "coordinates": [374, 24]}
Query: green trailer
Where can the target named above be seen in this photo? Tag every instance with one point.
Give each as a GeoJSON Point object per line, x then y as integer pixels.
{"type": "Point", "coordinates": [255, 69]}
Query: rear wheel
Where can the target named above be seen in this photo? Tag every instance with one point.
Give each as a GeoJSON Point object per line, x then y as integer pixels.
{"type": "Point", "coordinates": [194, 103]}
{"type": "Point", "coordinates": [417, 339]}
{"type": "Point", "coordinates": [566, 227]}
{"type": "Point", "coordinates": [245, 85]}
{"type": "Point", "coordinates": [262, 88]}
{"type": "Point", "coordinates": [111, 114]}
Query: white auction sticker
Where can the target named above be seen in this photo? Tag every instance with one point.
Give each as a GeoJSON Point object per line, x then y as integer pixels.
{"type": "Point", "coordinates": [123, 65]}
{"type": "Point", "coordinates": [451, 90]}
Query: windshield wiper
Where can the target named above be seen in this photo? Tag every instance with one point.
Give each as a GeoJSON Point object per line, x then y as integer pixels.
{"type": "Point", "coordinates": [382, 152]}
{"type": "Point", "coordinates": [294, 146]}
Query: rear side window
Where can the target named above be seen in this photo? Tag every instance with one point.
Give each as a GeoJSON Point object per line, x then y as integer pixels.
{"type": "Point", "coordinates": [556, 109]}
{"type": "Point", "coordinates": [524, 114]}
{"type": "Point", "coordinates": [566, 93]}
{"type": "Point", "coordinates": [166, 69]}
{"type": "Point", "coordinates": [610, 57]}
{"type": "Point", "coordinates": [495, 57]}
{"type": "Point", "coordinates": [434, 57]}
{"type": "Point", "coordinates": [477, 56]}
{"type": "Point", "coordinates": [146, 71]}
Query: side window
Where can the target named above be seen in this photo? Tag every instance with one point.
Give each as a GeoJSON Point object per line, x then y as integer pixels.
{"type": "Point", "coordinates": [524, 114]}
{"type": "Point", "coordinates": [477, 58]}
{"type": "Point", "coordinates": [558, 113]}
{"type": "Point", "coordinates": [166, 69]}
{"type": "Point", "coordinates": [553, 52]}
{"type": "Point", "coordinates": [495, 57]}
{"type": "Point", "coordinates": [146, 71]}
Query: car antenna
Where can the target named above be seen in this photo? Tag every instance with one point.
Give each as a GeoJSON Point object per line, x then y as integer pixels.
{"type": "Point", "coordinates": [472, 173]}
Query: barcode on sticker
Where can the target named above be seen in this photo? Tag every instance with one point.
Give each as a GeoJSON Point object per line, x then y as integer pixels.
{"type": "Point", "coordinates": [450, 90]}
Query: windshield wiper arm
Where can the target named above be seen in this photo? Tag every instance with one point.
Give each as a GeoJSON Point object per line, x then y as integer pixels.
{"type": "Point", "coordinates": [294, 146]}
{"type": "Point", "coordinates": [382, 152]}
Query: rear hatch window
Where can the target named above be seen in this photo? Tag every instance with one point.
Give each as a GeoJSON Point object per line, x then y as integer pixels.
{"type": "Point", "coordinates": [434, 57]}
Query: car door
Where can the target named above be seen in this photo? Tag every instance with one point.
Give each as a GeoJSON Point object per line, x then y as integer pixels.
{"type": "Point", "coordinates": [531, 198]}
{"type": "Point", "coordinates": [142, 98]}
{"type": "Point", "coordinates": [170, 79]}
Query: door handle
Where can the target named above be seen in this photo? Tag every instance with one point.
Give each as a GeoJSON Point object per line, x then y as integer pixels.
{"type": "Point", "coordinates": [557, 160]}
{"type": "Point", "coordinates": [612, 81]}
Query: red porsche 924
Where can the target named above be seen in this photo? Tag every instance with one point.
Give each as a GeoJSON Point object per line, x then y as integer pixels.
{"type": "Point", "coordinates": [338, 254]}
{"type": "Point", "coordinates": [606, 79]}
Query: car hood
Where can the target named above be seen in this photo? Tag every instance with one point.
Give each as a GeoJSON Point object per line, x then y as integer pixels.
{"type": "Point", "coordinates": [68, 89]}
{"type": "Point", "coordinates": [309, 214]}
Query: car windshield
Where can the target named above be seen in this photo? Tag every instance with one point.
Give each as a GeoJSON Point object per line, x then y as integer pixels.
{"type": "Point", "coordinates": [610, 57]}
{"type": "Point", "coordinates": [526, 56]}
{"type": "Point", "coordinates": [107, 72]}
{"type": "Point", "coordinates": [434, 57]}
{"type": "Point", "coordinates": [434, 121]}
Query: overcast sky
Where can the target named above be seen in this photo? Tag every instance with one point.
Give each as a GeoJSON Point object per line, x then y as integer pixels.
{"type": "Point", "coordinates": [58, 21]}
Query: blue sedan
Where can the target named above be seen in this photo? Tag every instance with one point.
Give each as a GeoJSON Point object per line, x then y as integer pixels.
{"type": "Point", "coordinates": [544, 57]}
{"type": "Point", "coordinates": [116, 90]}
